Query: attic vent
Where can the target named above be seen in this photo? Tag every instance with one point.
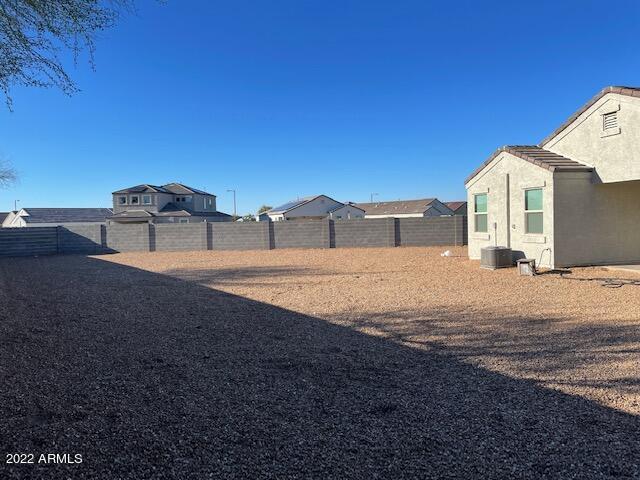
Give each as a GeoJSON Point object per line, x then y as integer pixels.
{"type": "Point", "coordinates": [610, 121]}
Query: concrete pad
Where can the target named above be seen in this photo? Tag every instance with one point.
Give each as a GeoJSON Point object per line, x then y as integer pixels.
{"type": "Point", "coordinates": [627, 268]}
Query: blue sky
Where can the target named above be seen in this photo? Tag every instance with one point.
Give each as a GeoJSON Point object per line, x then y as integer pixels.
{"type": "Point", "coordinates": [287, 98]}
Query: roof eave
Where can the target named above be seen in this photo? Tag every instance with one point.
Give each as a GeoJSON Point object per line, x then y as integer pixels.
{"type": "Point", "coordinates": [628, 91]}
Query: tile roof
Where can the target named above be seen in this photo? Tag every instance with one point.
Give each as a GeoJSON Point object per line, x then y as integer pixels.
{"type": "Point", "coordinates": [397, 207]}
{"type": "Point", "coordinates": [538, 156]}
{"type": "Point", "coordinates": [169, 210]}
{"type": "Point", "coordinates": [455, 205]}
{"type": "Point", "coordinates": [144, 188]}
{"type": "Point", "coordinates": [174, 188]}
{"type": "Point", "coordinates": [3, 215]}
{"type": "Point", "coordinates": [628, 91]}
{"type": "Point", "coordinates": [66, 215]}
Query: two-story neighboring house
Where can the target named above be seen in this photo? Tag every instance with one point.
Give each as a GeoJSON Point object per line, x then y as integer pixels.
{"type": "Point", "coordinates": [170, 203]}
{"type": "Point", "coordinates": [574, 199]}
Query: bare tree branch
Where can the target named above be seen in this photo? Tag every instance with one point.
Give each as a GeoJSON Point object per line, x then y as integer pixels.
{"type": "Point", "coordinates": [33, 32]}
{"type": "Point", "coordinates": [7, 175]}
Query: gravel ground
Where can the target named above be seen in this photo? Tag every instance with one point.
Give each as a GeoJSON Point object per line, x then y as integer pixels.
{"type": "Point", "coordinates": [341, 363]}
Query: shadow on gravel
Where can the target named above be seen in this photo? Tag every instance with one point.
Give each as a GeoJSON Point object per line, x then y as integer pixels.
{"type": "Point", "coordinates": [230, 276]}
{"type": "Point", "coordinates": [148, 376]}
{"type": "Point", "coordinates": [533, 346]}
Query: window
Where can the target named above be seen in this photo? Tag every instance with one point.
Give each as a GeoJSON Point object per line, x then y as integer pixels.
{"type": "Point", "coordinates": [122, 200]}
{"type": "Point", "coordinates": [188, 198]}
{"type": "Point", "coordinates": [338, 217]}
{"type": "Point", "coordinates": [134, 199]}
{"type": "Point", "coordinates": [610, 121]}
{"type": "Point", "coordinates": [184, 220]}
{"type": "Point", "coordinates": [533, 211]}
{"type": "Point", "coordinates": [146, 199]}
{"type": "Point", "coordinates": [480, 212]}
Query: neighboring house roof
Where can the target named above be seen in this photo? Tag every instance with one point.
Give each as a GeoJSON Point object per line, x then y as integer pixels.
{"type": "Point", "coordinates": [3, 215]}
{"type": "Point", "coordinates": [455, 205]}
{"type": "Point", "coordinates": [65, 215]}
{"type": "Point", "coordinates": [628, 91]}
{"type": "Point", "coordinates": [174, 188]}
{"type": "Point", "coordinates": [397, 207]}
{"type": "Point", "coordinates": [179, 189]}
{"type": "Point", "coordinates": [144, 188]}
{"type": "Point", "coordinates": [343, 205]}
{"type": "Point", "coordinates": [169, 210]}
{"type": "Point", "coordinates": [293, 204]}
{"type": "Point", "coordinates": [538, 156]}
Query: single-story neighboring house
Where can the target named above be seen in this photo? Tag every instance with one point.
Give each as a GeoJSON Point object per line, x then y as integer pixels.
{"type": "Point", "coordinates": [573, 199]}
{"type": "Point", "coordinates": [52, 217]}
{"type": "Point", "coordinates": [170, 203]}
{"type": "Point", "coordinates": [425, 207]}
{"type": "Point", "coordinates": [458, 208]}
{"type": "Point", "coordinates": [314, 207]}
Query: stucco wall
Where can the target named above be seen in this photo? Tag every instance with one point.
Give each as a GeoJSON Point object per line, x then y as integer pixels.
{"type": "Point", "coordinates": [616, 157]}
{"type": "Point", "coordinates": [596, 223]}
{"type": "Point", "coordinates": [505, 180]}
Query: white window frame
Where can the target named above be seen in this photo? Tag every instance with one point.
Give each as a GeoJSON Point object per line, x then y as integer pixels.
{"type": "Point", "coordinates": [150, 202]}
{"type": "Point", "coordinates": [131, 197]}
{"type": "Point", "coordinates": [183, 220]}
{"type": "Point", "coordinates": [476, 214]}
{"type": "Point", "coordinates": [526, 212]}
{"type": "Point", "coordinates": [126, 200]}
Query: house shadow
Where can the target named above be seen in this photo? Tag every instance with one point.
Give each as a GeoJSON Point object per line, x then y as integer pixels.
{"type": "Point", "coordinates": [150, 376]}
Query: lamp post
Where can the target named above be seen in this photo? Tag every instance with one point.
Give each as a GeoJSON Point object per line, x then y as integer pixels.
{"type": "Point", "coordinates": [235, 212]}
{"type": "Point", "coordinates": [373, 195]}
{"type": "Point", "coordinates": [15, 205]}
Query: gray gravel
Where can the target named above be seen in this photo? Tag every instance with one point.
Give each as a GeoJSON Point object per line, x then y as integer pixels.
{"type": "Point", "coordinates": [148, 376]}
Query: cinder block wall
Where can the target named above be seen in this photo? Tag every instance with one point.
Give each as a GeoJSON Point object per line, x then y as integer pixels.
{"type": "Point", "coordinates": [173, 237]}
{"type": "Point", "coordinates": [240, 236]}
{"type": "Point", "coordinates": [129, 238]}
{"type": "Point", "coordinates": [17, 242]}
{"type": "Point", "coordinates": [379, 232]}
{"type": "Point", "coordinates": [82, 239]}
{"type": "Point", "coordinates": [301, 234]}
{"type": "Point", "coordinates": [431, 231]}
{"type": "Point", "coordinates": [95, 239]}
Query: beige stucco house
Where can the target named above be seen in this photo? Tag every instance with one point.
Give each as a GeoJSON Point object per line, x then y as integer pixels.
{"type": "Point", "coordinates": [170, 203]}
{"type": "Point", "coordinates": [572, 200]}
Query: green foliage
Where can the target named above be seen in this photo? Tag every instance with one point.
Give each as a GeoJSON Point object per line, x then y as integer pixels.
{"type": "Point", "coordinates": [264, 208]}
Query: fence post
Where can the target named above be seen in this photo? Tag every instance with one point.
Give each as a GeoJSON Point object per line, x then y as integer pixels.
{"type": "Point", "coordinates": [326, 233]}
{"type": "Point", "coordinates": [391, 232]}
{"type": "Point", "coordinates": [149, 231]}
{"type": "Point", "coordinates": [58, 241]}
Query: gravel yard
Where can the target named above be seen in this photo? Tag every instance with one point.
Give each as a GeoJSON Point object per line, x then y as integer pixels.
{"type": "Point", "coordinates": [341, 363]}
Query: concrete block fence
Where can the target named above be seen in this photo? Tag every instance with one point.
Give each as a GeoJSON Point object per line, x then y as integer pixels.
{"type": "Point", "coordinates": [99, 239]}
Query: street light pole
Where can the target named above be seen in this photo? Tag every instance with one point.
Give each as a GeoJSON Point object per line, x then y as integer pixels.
{"type": "Point", "coordinates": [15, 205]}
{"type": "Point", "coordinates": [235, 212]}
{"type": "Point", "coordinates": [372, 195]}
